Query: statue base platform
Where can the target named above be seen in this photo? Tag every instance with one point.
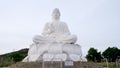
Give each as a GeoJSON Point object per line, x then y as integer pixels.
{"type": "Point", "coordinates": [54, 51]}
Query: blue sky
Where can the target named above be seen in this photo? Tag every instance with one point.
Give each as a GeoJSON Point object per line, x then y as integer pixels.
{"type": "Point", "coordinates": [95, 22]}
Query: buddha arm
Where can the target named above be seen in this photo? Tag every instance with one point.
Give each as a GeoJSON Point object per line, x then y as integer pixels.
{"type": "Point", "coordinates": [47, 30]}
{"type": "Point", "coordinates": [66, 29]}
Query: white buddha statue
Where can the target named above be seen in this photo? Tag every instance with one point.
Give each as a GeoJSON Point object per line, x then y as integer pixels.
{"type": "Point", "coordinates": [55, 42]}
{"type": "Point", "coordinates": [55, 31]}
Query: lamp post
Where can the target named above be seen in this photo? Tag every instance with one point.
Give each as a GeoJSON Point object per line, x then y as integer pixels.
{"type": "Point", "coordinates": [117, 60]}
{"type": "Point", "coordinates": [106, 62]}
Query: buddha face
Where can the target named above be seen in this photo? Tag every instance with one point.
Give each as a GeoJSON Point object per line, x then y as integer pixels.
{"type": "Point", "coordinates": [56, 14]}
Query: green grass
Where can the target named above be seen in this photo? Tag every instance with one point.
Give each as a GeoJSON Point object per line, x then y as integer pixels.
{"type": "Point", "coordinates": [110, 65]}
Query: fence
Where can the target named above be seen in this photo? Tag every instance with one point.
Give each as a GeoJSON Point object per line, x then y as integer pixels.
{"type": "Point", "coordinates": [54, 63]}
{"type": "Point", "coordinates": [58, 63]}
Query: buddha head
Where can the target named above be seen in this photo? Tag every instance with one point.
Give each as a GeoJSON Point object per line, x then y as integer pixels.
{"type": "Point", "coordinates": [56, 14]}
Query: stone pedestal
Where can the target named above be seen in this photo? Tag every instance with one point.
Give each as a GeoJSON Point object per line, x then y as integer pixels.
{"type": "Point", "coordinates": [54, 51]}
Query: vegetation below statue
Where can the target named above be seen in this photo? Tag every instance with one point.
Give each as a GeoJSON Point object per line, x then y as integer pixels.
{"type": "Point", "coordinates": [111, 54]}
{"type": "Point", "coordinates": [13, 57]}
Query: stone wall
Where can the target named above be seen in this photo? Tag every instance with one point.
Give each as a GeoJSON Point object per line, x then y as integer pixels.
{"type": "Point", "coordinates": [54, 65]}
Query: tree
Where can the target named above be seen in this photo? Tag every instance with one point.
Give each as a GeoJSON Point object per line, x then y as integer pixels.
{"type": "Point", "coordinates": [93, 55]}
{"type": "Point", "coordinates": [111, 53]}
{"type": "Point", "coordinates": [16, 56]}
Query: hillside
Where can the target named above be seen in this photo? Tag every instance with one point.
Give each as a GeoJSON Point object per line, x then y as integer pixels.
{"type": "Point", "coordinates": [13, 57]}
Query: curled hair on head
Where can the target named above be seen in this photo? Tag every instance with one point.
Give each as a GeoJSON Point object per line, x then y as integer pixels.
{"type": "Point", "coordinates": [56, 10]}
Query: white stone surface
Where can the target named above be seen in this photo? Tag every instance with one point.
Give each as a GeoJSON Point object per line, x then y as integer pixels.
{"type": "Point", "coordinates": [74, 57]}
{"type": "Point", "coordinates": [55, 31]}
{"type": "Point", "coordinates": [48, 57]}
{"type": "Point", "coordinates": [55, 48]}
{"type": "Point", "coordinates": [72, 49]}
{"type": "Point", "coordinates": [56, 42]}
{"type": "Point", "coordinates": [54, 57]}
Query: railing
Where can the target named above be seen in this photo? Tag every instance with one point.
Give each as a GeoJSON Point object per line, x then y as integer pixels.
{"type": "Point", "coordinates": [58, 63]}
{"type": "Point", "coordinates": [53, 63]}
